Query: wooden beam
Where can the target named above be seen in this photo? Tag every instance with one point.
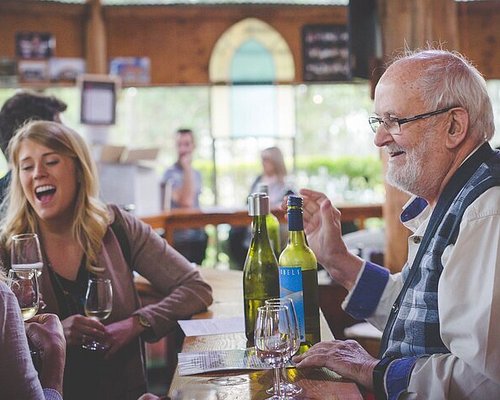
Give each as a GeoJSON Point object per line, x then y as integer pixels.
{"type": "Point", "coordinates": [95, 39]}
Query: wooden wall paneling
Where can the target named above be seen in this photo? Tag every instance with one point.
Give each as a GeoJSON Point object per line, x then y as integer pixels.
{"type": "Point", "coordinates": [179, 40]}
{"type": "Point", "coordinates": [191, 31]}
{"type": "Point", "coordinates": [65, 21]}
{"type": "Point", "coordinates": [479, 34]}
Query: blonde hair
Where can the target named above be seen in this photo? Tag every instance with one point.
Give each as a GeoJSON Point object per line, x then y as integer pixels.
{"type": "Point", "coordinates": [91, 216]}
{"type": "Point", "coordinates": [275, 155]}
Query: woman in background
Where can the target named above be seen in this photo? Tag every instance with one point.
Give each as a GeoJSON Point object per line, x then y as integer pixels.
{"type": "Point", "coordinates": [274, 177]}
{"type": "Point", "coordinates": [54, 193]}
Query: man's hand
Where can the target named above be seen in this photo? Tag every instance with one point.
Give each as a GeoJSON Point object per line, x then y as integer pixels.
{"type": "Point", "coordinates": [346, 358]}
{"type": "Point", "coordinates": [185, 161]}
{"type": "Point", "coordinates": [46, 333]}
{"type": "Point", "coordinates": [322, 226]}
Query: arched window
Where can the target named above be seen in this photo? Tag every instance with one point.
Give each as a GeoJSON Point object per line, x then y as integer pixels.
{"type": "Point", "coordinates": [250, 66]}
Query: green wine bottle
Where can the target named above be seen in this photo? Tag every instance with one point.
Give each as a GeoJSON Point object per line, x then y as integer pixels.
{"type": "Point", "coordinates": [273, 225]}
{"type": "Point", "coordinates": [298, 270]}
{"type": "Point", "coordinates": [260, 273]}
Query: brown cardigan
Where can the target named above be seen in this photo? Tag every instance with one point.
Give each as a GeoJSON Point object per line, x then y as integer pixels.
{"type": "Point", "coordinates": [170, 273]}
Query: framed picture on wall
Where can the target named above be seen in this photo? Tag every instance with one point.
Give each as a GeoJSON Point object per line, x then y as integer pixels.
{"type": "Point", "coordinates": [35, 45]}
{"type": "Point", "coordinates": [98, 99]}
{"type": "Point", "coordinates": [326, 55]}
{"type": "Point", "coordinates": [33, 71]}
{"type": "Point", "coordinates": [131, 70]}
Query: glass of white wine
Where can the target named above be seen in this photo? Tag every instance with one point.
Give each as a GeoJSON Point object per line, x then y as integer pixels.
{"type": "Point", "coordinates": [25, 254]}
{"type": "Point", "coordinates": [98, 305]}
{"type": "Point", "coordinates": [24, 285]}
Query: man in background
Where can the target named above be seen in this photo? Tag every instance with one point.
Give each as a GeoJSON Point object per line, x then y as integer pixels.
{"type": "Point", "coordinates": [181, 188]}
{"type": "Point", "coordinates": [24, 106]}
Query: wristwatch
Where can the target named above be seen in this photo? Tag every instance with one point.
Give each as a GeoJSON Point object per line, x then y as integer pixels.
{"type": "Point", "coordinates": [144, 322]}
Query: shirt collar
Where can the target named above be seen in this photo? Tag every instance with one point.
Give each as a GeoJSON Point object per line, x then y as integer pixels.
{"type": "Point", "coordinates": [415, 212]}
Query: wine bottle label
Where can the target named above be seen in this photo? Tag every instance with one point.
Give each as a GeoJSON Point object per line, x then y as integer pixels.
{"type": "Point", "coordinates": [291, 286]}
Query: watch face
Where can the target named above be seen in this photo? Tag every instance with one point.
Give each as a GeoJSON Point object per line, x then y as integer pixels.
{"type": "Point", "coordinates": [144, 322]}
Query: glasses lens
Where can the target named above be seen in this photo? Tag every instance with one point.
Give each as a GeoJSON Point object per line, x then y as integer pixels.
{"type": "Point", "coordinates": [374, 123]}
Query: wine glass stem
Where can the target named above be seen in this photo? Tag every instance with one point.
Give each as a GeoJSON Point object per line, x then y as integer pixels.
{"type": "Point", "coordinates": [284, 377]}
{"type": "Point", "coordinates": [277, 379]}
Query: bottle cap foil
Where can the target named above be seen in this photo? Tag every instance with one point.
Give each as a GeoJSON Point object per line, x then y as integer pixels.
{"type": "Point", "coordinates": [258, 204]}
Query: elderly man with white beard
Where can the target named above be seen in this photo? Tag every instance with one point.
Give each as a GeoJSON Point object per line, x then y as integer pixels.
{"type": "Point", "coordinates": [441, 314]}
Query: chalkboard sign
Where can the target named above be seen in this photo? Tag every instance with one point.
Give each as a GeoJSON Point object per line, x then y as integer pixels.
{"type": "Point", "coordinates": [326, 53]}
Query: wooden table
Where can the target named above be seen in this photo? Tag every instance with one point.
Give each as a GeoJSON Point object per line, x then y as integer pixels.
{"type": "Point", "coordinates": [171, 220]}
{"type": "Point", "coordinates": [318, 383]}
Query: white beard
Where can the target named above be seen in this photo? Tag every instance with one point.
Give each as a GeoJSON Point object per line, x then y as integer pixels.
{"type": "Point", "coordinates": [410, 177]}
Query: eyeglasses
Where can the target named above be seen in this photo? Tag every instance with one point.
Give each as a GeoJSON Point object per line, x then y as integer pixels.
{"type": "Point", "coordinates": [393, 125]}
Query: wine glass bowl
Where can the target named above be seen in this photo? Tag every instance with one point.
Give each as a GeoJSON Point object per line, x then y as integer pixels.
{"type": "Point", "coordinates": [288, 388]}
{"type": "Point", "coordinates": [273, 341]}
{"type": "Point", "coordinates": [24, 285]}
{"type": "Point", "coordinates": [26, 254]}
{"type": "Point", "coordinates": [98, 304]}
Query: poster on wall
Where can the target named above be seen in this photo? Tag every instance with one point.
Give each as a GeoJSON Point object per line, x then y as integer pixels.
{"type": "Point", "coordinates": [35, 45]}
{"type": "Point", "coordinates": [33, 71]}
{"type": "Point", "coordinates": [66, 68]}
{"type": "Point", "coordinates": [98, 99]}
{"type": "Point", "coordinates": [131, 70]}
{"type": "Point", "coordinates": [326, 55]}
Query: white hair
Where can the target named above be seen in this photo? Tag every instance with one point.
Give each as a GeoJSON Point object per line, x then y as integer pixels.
{"type": "Point", "coordinates": [448, 80]}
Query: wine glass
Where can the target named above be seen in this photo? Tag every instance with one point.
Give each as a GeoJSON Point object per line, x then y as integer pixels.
{"type": "Point", "coordinates": [288, 388]}
{"type": "Point", "coordinates": [273, 341]}
{"type": "Point", "coordinates": [98, 305]}
{"type": "Point", "coordinates": [24, 285]}
{"type": "Point", "coordinates": [26, 254]}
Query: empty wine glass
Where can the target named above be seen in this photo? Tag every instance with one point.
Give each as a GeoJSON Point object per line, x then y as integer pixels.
{"type": "Point", "coordinates": [288, 388]}
{"type": "Point", "coordinates": [98, 305]}
{"type": "Point", "coordinates": [25, 253]}
{"type": "Point", "coordinates": [273, 341]}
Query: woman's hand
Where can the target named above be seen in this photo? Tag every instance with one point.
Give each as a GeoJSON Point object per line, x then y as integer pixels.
{"type": "Point", "coordinates": [346, 358]}
{"type": "Point", "coordinates": [120, 333]}
{"type": "Point", "coordinates": [78, 328]}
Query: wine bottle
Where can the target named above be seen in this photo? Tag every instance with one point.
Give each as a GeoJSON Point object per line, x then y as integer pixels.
{"type": "Point", "coordinates": [273, 225]}
{"type": "Point", "coordinates": [260, 272]}
{"type": "Point", "coordinates": [298, 270]}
